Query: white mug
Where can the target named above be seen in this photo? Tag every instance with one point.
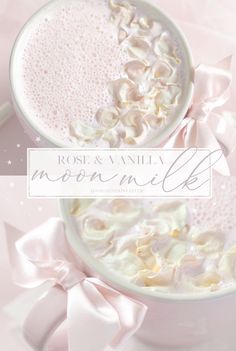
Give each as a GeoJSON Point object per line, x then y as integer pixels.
{"type": "Point", "coordinates": [34, 129]}
{"type": "Point", "coordinates": [172, 319]}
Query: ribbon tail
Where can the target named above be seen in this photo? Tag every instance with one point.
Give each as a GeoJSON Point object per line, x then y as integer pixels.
{"type": "Point", "coordinates": [207, 140]}
{"type": "Point", "coordinates": [92, 322]}
{"type": "Point", "coordinates": [45, 317]}
{"type": "Point", "coordinates": [131, 313]}
{"type": "Point", "coordinates": [223, 126]}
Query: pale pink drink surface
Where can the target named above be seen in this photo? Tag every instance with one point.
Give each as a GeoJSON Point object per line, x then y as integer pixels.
{"type": "Point", "coordinates": [67, 62]}
{"type": "Point", "coordinates": [69, 56]}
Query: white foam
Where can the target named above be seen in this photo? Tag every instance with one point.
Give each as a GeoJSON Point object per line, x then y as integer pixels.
{"type": "Point", "coordinates": [163, 245]}
{"type": "Point", "coordinates": [67, 62]}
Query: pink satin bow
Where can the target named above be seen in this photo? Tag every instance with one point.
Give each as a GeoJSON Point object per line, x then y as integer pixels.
{"type": "Point", "coordinates": [96, 315]}
{"type": "Point", "coordinates": [201, 127]}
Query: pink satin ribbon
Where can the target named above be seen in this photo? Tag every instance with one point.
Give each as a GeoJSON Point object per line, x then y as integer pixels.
{"type": "Point", "coordinates": [202, 127]}
{"type": "Point", "coordinates": [96, 314]}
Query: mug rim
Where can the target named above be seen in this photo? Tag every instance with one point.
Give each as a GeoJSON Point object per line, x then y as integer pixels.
{"type": "Point", "coordinates": [155, 140]}
{"type": "Point", "coordinates": [77, 245]}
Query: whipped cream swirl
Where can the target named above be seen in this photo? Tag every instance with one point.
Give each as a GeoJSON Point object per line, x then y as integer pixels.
{"type": "Point", "coordinates": [154, 245]}
{"type": "Point", "coordinates": [147, 91]}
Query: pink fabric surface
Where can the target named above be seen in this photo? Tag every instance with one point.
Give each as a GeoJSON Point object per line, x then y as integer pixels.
{"type": "Point", "coordinates": [44, 255]}
{"type": "Point", "coordinates": [209, 26]}
{"type": "Point", "coordinates": [22, 215]}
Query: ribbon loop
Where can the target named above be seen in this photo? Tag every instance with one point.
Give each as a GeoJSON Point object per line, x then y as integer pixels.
{"type": "Point", "coordinates": [44, 255]}
{"type": "Point", "coordinates": [202, 127]}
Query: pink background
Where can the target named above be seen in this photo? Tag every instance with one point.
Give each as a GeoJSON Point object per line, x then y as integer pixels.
{"type": "Point", "coordinates": [210, 27]}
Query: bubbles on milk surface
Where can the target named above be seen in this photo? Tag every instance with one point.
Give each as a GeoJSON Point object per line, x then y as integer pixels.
{"type": "Point", "coordinates": [67, 62]}
{"type": "Point", "coordinates": [219, 211]}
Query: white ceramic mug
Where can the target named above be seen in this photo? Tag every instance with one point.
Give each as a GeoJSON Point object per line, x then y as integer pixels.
{"type": "Point", "coordinates": [172, 320]}
{"type": "Point", "coordinates": [34, 129]}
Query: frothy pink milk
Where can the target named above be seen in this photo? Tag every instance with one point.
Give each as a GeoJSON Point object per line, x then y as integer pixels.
{"type": "Point", "coordinates": [70, 56]}
{"type": "Point", "coordinates": [78, 58]}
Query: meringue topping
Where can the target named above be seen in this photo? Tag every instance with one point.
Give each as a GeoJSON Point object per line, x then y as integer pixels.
{"type": "Point", "coordinates": [148, 86]}
{"type": "Point", "coordinates": [155, 246]}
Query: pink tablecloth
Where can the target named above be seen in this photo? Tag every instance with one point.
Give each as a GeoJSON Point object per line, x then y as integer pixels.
{"type": "Point", "coordinates": [210, 27]}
